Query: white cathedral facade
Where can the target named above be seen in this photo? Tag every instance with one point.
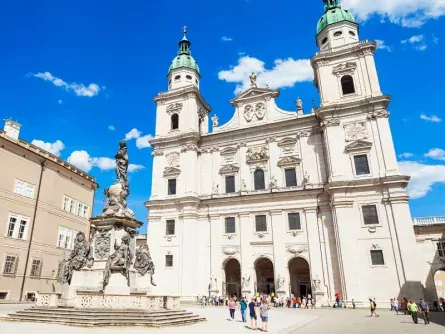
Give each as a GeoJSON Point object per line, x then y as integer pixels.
{"type": "Point", "coordinates": [285, 202]}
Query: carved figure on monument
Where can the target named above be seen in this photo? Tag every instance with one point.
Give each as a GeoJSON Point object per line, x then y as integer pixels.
{"type": "Point", "coordinates": [215, 121]}
{"type": "Point", "coordinates": [317, 283]}
{"type": "Point", "coordinates": [273, 184]}
{"type": "Point", "coordinates": [246, 281]}
{"type": "Point", "coordinates": [143, 262]}
{"type": "Point", "coordinates": [117, 193]}
{"type": "Point", "coordinates": [80, 256]}
{"type": "Point", "coordinates": [307, 178]}
{"type": "Point", "coordinates": [119, 261]}
{"type": "Point", "coordinates": [243, 185]}
{"type": "Point", "coordinates": [252, 78]}
{"type": "Point", "coordinates": [102, 243]}
{"type": "Point", "coordinates": [212, 285]}
{"type": "Point", "coordinates": [280, 282]}
{"type": "Point", "coordinates": [299, 104]}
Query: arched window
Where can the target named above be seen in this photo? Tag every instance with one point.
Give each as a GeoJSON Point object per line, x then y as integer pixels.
{"type": "Point", "coordinates": [259, 179]}
{"type": "Point", "coordinates": [175, 121]}
{"type": "Point", "coordinates": [347, 85]}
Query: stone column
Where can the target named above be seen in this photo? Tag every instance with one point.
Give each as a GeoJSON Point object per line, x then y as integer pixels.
{"type": "Point", "coordinates": [318, 279]}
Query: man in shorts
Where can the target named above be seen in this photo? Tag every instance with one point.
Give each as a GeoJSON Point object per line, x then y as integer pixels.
{"type": "Point", "coordinates": [252, 314]}
{"type": "Point", "coordinates": [264, 313]}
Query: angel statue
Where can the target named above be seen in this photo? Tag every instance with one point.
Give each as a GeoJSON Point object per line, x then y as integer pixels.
{"type": "Point", "coordinates": [252, 78]}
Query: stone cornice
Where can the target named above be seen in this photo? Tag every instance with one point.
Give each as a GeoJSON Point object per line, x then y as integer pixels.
{"type": "Point", "coordinates": [161, 98]}
{"type": "Point", "coordinates": [372, 105]}
{"type": "Point", "coordinates": [361, 48]}
{"type": "Point", "coordinates": [368, 182]}
{"type": "Point", "coordinates": [49, 157]}
{"type": "Point", "coordinates": [191, 137]}
{"type": "Point", "coordinates": [153, 204]}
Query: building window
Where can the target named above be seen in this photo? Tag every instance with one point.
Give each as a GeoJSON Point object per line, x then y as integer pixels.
{"type": "Point", "coordinates": [178, 77]}
{"type": "Point", "coordinates": [170, 227]}
{"type": "Point", "coordinates": [169, 260]}
{"type": "Point", "coordinates": [260, 223]}
{"type": "Point", "coordinates": [377, 258]}
{"type": "Point", "coordinates": [188, 77]}
{"type": "Point", "coordinates": [441, 248]}
{"type": "Point", "coordinates": [259, 179]}
{"type": "Point", "coordinates": [230, 225]}
{"type": "Point", "coordinates": [60, 268]}
{"type": "Point", "coordinates": [10, 264]}
{"type": "Point", "coordinates": [172, 186]}
{"type": "Point", "coordinates": [361, 164]}
{"type": "Point", "coordinates": [291, 177]}
{"type": "Point", "coordinates": [36, 268]}
{"type": "Point", "coordinates": [69, 205]}
{"type": "Point", "coordinates": [175, 121]}
{"type": "Point", "coordinates": [3, 295]}
{"type": "Point", "coordinates": [347, 85]}
{"type": "Point", "coordinates": [370, 216]}
{"type": "Point", "coordinates": [294, 221]}
{"type": "Point", "coordinates": [230, 184]}
{"type": "Point", "coordinates": [65, 238]}
{"type": "Point", "coordinates": [24, 189]}
{"type": "Point", "coordinates": [82, 210]}
{"type": "Point", "coordinates": [17, 226]}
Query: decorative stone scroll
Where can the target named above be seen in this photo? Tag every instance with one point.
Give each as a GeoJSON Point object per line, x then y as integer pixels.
{"type": "Point", "coordinates": [378, 114]}
{"type": "Point", "coordinates": [297, 249]}
{"type": "Point", "coordinates": [330, 122]}
{"type": "Point", "coordinates": [356, 131]}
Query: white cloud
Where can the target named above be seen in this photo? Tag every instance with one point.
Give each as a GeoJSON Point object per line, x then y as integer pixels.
{"type": "Point", "coordinates": [111, 128]}
{"type": "Point", "coordinates": [407, 13]}
{"type": "Point", "coordinates": [413, 39]}
{"type": "Point", "coordinates": [405, 155]}
{"type": "Point", "coordinates": [436, 154]}
{"type": "Point", "coordinates": [226, 39]}
{"type": "Point", "coordinates": [423, 177]}
{"type": "Point", "coordinates": [133, 134]}
{"type": "Point", "coordinates": [382, 46]}
{"type": "Point", "coordinates": [421, 47]}
{"type": "Point", "coordinates": [60, 102]}
{"type": "Point", "coordinates": [79, 89]}
{"type": "Point", "coordinates": [142, 142]}
{"type": "Point", "coordinates": [82, 160]}
{"type": "Point", "coordinates": [54, 148]}
{"type": "Point", "coordinates": [432, 118]}
{"type": "Point", "coordinates": [286, 73]}
{"type": "Point", "coordinates": [435, 39]}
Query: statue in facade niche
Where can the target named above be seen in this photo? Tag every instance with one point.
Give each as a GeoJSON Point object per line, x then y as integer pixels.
{"type": "Point", "coordinates": [243, 185]}
{"type": "Point", "coordinates": [280, 282]}
{"type": "Point", "coordinates": [80, 256]}
{"type": "Point", "coordinates": [273, 183]}
{"type": "Point", "coordinates": [117, 193]}
{"type": "Point", "coordinates": [215, 121]}
{"type": "Point", "coordinates": [317, 283]}
{"type": "Point", "coordinates": [120, 260]}
{"type": "Point", "coordinates": [212, 285]}
{"type": "Point", "coordinates": [246, 281]}
{"type": "Point", "coordinates": [252, 78]}
{"type": "Point", "coordinates": [143, 262]}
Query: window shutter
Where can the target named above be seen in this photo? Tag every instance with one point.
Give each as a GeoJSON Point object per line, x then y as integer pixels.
{"type": "Point", "coordinates": [16, 265]}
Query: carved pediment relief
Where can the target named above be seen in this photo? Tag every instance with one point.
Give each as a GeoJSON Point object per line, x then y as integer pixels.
{"type": "Point", "coordinates": [287, 142]}
{"type": "Point", "coordinates": [174, 108]}
{"type": "Point", "coordinates": [356, 131]}
{"type": "Point", "coordinates": [254, 93]}
{"type": "Point", "coordinates": [171, 171]}
{"type": "Point", "coordinates": [289, 161]}
{"type": "Point", "coordinates": [296, 249]}
{"type": "Point", "coordinates": [254, 111]}
{"type": "Point", "coordinates": [359, 145]}
{"type": "Point", "coordinates": [255, 154]}
{"type": "Point", "coordinates": [228, 169]}
{"type": "Point", "coordinates": [347, 68]}
{"type": "Point", "coordinates": [230, 250]}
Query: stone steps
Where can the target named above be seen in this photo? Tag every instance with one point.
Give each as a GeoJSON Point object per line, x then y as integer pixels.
{"type": "Point", "coordinates": [102, 318]}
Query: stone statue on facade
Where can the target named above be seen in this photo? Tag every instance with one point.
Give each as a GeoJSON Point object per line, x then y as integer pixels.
{"type": "Point", "coordinates": [299, 104]}
{"type": "Point", "coordinates": [212, 285]}
{"type": "Point", "coordinates": [306, 178]}
{"type": "Point", "coordinates": [317, 283]}
{"type": "Point", "coordinates": [117, 193]}
{"type": "Point", "coordinates": [252, 78]}
{"type": "Point", "coordinates": [80, 256]}
{"type": "Point", "coordinates": [119, 261]}
{"type": "Point", "coordinates": [215, 121]}
{"type": "Point", "coordinates": [215, 188]}
{"type": "Point", "coordinates": [243, 185]}
{"type": "Point", "coordinates": [246, 281]}
{"type": "Point", "coordinates": [280, 283]}
{"type": "Point", "coordinates": [143, 263]}
{"type": "Point", "coordinates": [273, 184]}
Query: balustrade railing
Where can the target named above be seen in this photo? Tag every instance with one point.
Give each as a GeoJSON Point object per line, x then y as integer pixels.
{"type": "Point", "coordinates": [429, 220]}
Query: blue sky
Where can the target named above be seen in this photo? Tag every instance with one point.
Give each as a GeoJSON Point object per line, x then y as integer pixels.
{"type": "Point", "coordinates": [80, 75]}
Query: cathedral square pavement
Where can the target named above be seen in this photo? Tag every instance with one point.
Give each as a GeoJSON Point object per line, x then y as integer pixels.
{"type": "Point", "coordinates": [282, 320]}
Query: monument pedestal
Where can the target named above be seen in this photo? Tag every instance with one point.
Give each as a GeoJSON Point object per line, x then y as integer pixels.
{"type": "Point", "coordinates": [214, 292]}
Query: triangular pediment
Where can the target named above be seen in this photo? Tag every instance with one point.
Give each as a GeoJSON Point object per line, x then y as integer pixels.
{"type": "Point", "coordinates": [358, 145]}
{"type": "Point", "coordinates": [171, 171]}
{"type": "Point", "coordinates": [229, 151]}
{"type": "Point", "coordinates": [255, 93]}
{"type": "Point", "coordinates": [228, 169]}
{"type": "Point", "coordinates": [289, 161]}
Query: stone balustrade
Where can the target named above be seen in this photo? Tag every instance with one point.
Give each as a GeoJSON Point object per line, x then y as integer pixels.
{"type": "Point", "coordinates": [429, 220]}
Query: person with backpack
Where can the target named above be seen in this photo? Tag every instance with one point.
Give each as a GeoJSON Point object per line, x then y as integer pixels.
{"type": "Point", "coordinates": [372, 307]}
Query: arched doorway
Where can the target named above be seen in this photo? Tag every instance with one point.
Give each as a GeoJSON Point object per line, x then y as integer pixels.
{"type": "Point", "coordinates": [265, 280]}
{"type": "Point", "coordinates": [439, 282]}
{"type": "Point", "coordinates": [232, 284]}
{"type": "Point", "coordinates": [300, 277]}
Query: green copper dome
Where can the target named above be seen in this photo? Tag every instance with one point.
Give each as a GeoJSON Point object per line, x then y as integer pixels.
{"type": "Point", "coordinates": [333, 13]}
{"type": "Point", "coordinates": [184, 57]}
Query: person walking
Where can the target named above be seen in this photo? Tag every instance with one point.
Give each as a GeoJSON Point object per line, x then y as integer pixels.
{"type": "Point", "coordinates": [353, 304]}
{"type": "Point", "coordinates": [203, 301]}
{"type": "Point", "coordinates": [264, 313]}
{"type": "Point", "coordinates": [372, 307]}
{"type": "Point", "coordinates": [413, 309]}
{"type": "Point", "coordinates": [252, 314]}
{"type": "Point", "coordinates": [232, 308]}
{"type": "Point", "coordinates": [243, 308]}
{"type": "Point", "coordinates": [425, 310]}
{"type": "Point", "coordinates": [396, 305]}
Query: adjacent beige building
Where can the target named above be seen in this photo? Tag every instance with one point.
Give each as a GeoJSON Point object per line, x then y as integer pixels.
{"type": "Point", "coordinates": [44, 202]}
